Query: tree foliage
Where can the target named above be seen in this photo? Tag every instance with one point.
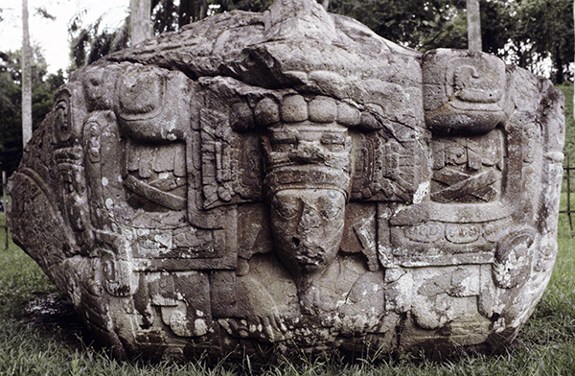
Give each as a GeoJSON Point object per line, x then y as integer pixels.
{"type": "Point", "coordinates": [524, 32]}
{"type": "Point", "coordinates": [544, 28]}
{"type": "Point", "coordinates": [44, 86]}
{"type": "Point", "coordinates": [91, 42]}
{"type": "Point", "coordinates": [419, 24]}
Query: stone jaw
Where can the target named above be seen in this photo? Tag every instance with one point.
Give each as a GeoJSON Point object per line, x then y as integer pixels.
{"type": "Point", "coordinates": [291, 179]}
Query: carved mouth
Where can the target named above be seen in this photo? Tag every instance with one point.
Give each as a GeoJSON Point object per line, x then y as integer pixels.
{"type": "Point", "coordinates": [311, 258]}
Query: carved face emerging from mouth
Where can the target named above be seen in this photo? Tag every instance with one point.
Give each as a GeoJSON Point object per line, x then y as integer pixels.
{"type": "Point", "coordinates": [307, 226]}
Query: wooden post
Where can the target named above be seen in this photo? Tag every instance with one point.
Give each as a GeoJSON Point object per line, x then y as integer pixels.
{"type": "Point", "coordinates": [26, 66]}
{"type": "Point", "coordinates": [140, 23]}
{"type": "Point", "coordinates": [569, 211]}
{"type": "Point", "coordinates": [4, 204]}
{"type": "Point", "coordinates": [473, 25]}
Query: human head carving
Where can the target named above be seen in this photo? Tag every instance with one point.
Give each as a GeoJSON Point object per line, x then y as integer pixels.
{"type": "Point", "coordinates": [308, 175]}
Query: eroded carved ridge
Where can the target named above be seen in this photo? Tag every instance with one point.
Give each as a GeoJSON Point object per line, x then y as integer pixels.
{"type": "Point", "coordinates": [291, 179]}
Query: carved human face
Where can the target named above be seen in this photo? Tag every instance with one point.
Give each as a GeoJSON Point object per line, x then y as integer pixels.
{"type": "Point", "coordinates": [307, 226]}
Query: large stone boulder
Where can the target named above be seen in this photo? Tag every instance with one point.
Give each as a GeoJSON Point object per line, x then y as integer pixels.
{"type": "Point", "coordinates": [290, 180]}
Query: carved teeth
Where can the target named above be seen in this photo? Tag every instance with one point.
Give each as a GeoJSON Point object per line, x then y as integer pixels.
{"type": "Point", "coordinates": [267, 112]}
{"type": "Point", "coordinates": [241, 117]}
{"type": "Point", "coordinates": [368, 120]}
{"type": "Point", "coordinates": [347, 114]}
{"type": "Point", "coordinates": [322, 110]}
{"type": "Point", "coordinates": [371, 117]}
{"type": "Point", "coordinates": [294, 109]}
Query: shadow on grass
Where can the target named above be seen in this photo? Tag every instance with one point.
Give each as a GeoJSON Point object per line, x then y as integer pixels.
{"type": "Point", "coordinates": [53, 316]}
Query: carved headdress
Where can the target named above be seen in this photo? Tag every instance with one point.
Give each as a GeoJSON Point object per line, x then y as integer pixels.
{"type": "Point", "coordinates": [308, 148]}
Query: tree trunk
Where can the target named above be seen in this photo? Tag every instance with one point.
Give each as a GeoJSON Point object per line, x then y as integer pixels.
{"type": "Point", "coordinates": [473, 25]}
{"type": "Point", "coordinates": [325, 4]}
{"type": "Point", "coordinates": [26, 77]}
{"type": "Point", "coordinates": [140, 23]}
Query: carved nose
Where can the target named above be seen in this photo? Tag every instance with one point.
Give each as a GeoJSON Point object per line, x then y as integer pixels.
{"type": "Point", "coordinates": [309, 218]}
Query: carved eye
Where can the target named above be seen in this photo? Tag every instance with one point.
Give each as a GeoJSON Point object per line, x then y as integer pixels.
{"type": "Point", "coordinates": [286, 207]}
{"type": "Point", "coordinates": [329, 208]}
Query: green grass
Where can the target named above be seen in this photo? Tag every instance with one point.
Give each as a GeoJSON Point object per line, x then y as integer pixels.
{"type": "Point", "coordinates": [48, 346]}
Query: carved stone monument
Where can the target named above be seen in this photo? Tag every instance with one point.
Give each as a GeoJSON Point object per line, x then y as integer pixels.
{"type": "Point", "coordinates": [290, 180]}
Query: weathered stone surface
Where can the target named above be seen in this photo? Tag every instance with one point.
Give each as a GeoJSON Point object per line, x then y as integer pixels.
{"type": "Point", "coordinates": [291, 180]}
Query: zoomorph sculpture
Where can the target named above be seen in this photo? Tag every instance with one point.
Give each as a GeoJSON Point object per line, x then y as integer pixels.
{"type": "Point", "coordinates": [289, 179]}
